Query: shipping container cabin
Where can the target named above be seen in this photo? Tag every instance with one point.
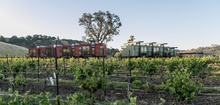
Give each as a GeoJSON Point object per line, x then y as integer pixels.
{"type": "Point", "coordinates": [173, 51]}
{"type": "Point", "coordinates": [92, 49]}
{"type": "Point", "coordinates": [143, 50]}
{"type": "Point", "coordinates": [82, 50]}
{"type": "Point", "coordinates": [159, 49]}
{"type": "Point", "coordinates": [66, 51]}
{"type": "Point", "coordinates": [177, 52]}
{"type": "Point", "coordinates": [63, 50]}
{"type": "Point", "coordinates": [133, 51]}
{"type": "Point", "coordinates": [74, 47]}
{"type": "Point", "coordinates": [74, 50]}
{"type": "Point", "coordinates": [167, 52]}
{"type": "Point", "coordinates": [32, 52]}
{"type": "Point", "coordinates": [147, 49]}
{"type": "Point", "coordinates": [86, 50]}
{"type": "Point", "coordinates": [150, 49]}
{"type": "Point", "coordinates": [77, 50]}
{"type": "Point", "coordinates": [49, 51]}
{"type": "Point", "coordinates": [59, 51]}
{"type": "Point", "coordinates": [156, 51]}
{"type": "Point", "coordinates": [100, 50]}
{"type": "Point", "coordinates": [41, 51]}
{"type": "Point", "coordinates": [134, 48]}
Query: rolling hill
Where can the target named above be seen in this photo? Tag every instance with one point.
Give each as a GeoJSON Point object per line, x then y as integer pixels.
{"type": "Point", "coordinates": [12, 50]}
{"type": "Point", "coordinates": [213, 50]}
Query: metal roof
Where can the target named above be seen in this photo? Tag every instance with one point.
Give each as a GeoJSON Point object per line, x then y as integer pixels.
{"type": "Point", "coordinates": [146, 43]}
{"type": "Point", "coordinates": [160, 44]}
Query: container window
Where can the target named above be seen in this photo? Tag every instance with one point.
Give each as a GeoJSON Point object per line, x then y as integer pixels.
{"type": "Point", "coordinates": [101, 50]}
{"type": "Point", "coordinates": [41, 53]}
{"type": "Point", "coordinates": [66, 51]}
{"type": "Point", "coordinates": [93, 50]}
{"type": "Point", "coordinates": [72, 50]}
{"type": "Point", "coordinates": [85, 50]}
{"type": "Point", "coordinates": [143, 49]}
{"type": "Point", "coordinates": [48, 52]}
{"type": "Point", "coordinates": [92, 44]}
{"type": "Point", "coordinates": [32, 53]}
{"type": "Point", "coordinates": [80, 51]}
{"type": "Point", "coordinates": [61, 52]}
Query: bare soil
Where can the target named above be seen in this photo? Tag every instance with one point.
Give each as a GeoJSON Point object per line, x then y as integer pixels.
{"type": "Point", "coordinates": [144, 97]}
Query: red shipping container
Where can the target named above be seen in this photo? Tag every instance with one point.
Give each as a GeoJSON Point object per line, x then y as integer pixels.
{"type": "Point", "coordinates": [77, 50]}
{"type": "Point", "coordinates": [32, 52]}
{"type": "Point", "coordinates": [100, 50]}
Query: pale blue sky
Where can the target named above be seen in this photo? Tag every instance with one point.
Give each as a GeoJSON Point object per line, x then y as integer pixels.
{"type": "Point", "coordinates": [183, 23]}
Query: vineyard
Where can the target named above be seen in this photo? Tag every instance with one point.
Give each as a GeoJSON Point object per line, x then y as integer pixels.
{"type": "Point", "coordinates": [109, 81]}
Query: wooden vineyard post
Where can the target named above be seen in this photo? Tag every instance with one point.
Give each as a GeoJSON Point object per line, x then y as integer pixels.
{"type": "Point", "coordinates": [38, 65]}
{"type": "Point", "coordinates": [56, 66]}
{"type": "Point", "coordinates": [7, 59]}
{"type": "Point", "coordinates": [103, 68]}
{"type": "Point", "coordinates": [64, 66]}
{"type": "Point", "coordinates": [103, 64]}
{"type": "Point", "coordinates": [6, 69]}
{"type": "Point", "coordinates": [78, 60]}
{"type": "Point", "coordinates": [129, 78]}
{"type": "Point", "coordinates": [11, 58]}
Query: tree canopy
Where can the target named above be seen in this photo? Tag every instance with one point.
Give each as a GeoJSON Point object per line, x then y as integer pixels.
{"type": "Point", "coordinates": [131, 39]}
{"type": "Point", "coordinates": [100, 26]}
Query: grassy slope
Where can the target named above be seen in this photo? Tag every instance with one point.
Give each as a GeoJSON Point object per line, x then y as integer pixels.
{"type": "Point", "coordinates": [12, 50]}
{"type": "Point", "coordinates": [209, 50]}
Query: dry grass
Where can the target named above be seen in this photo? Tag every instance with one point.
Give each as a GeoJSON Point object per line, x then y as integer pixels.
{"type": "Point", "coordinates": [12, 50]}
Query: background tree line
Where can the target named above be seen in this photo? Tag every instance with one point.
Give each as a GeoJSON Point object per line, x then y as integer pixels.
{"type": "Point", "coordinates": [43, 40]}
{"type": "Point", "coordinates": [213, 50]}
{"type": "Point", "coordinates": [29, 41]}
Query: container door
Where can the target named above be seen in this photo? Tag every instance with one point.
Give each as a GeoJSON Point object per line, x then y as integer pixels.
{"type": "Point", "coordinates": [41, 52]}
{"type": "Point", "coordinates": [48, 52]}
{"type": "Point", "coordinates": [32, 52]}
{"type": "Point", "coordinates": [80, 51]}
{"type": "Point", "coordinates": [101, 50]}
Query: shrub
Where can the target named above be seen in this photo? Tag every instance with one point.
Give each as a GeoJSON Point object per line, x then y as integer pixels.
{"type": "Point", "coordinates": [137, 84]}
{"type": "Point", "coordinates": [181, 85]}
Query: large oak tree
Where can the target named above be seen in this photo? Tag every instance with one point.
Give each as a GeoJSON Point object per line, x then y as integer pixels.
{"type": "Point", "coordinates": [100, 26]}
